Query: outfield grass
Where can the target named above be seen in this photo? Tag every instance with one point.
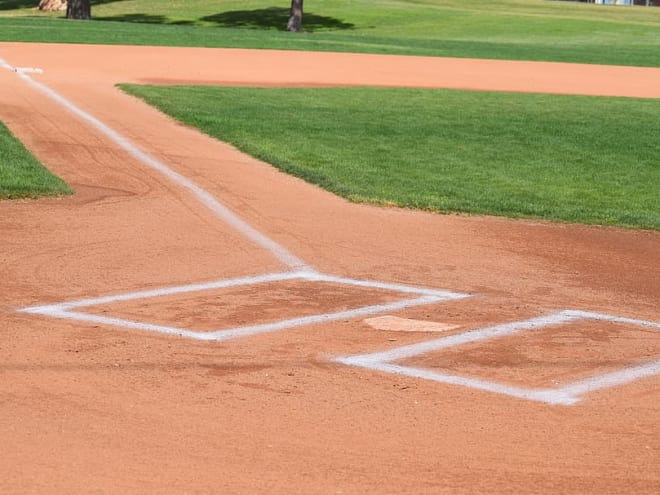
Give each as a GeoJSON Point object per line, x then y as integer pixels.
{"type": "Point", "coordinates": [564, 158]}
{"type": "Point", "coordinates": [21, 175]}
{"type": "Point", "coordinates": [504, 29]}
{"type": "Point", "coordinates": [616, 177]}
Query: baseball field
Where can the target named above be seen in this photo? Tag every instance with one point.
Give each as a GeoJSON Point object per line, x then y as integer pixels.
{"type": "Point", "coordinates": [415, 249]}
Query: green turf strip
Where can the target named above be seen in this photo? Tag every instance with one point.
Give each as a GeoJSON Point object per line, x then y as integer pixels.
{"type": "Point", "coordinates": [575, 159]}
{"type": "Point", "coordinates": [503, 29]}
{"type": "Point", "coordinates": [21, 175]}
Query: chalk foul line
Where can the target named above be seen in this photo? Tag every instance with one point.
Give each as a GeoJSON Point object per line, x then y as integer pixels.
{"type": "Point", "coordinates": [203, 196]}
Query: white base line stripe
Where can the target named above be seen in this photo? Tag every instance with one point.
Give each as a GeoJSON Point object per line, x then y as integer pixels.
{"type": "Point", "coordinates": [547, 396]}
{"type": "Point", "coordinates": [232, 333]}
{"type": "Point", "coordinates": [405, 289]}
{"type": "Point", "coordinates": [505, 329]}
{"type": "Point", "coordinates": [614, 319]}
{"type": "Point", "coordinates": [118, 322]}
{"type": "Point", "coordinates": [182, 289]}
{"type": "Point", "coordinates": [324, 318]}
{"type": "Point", "coordinates": [619, 377]}
{"type": "Point", "coordinates": [64, 309]}
{"type": "Point", "coordinates": [5, 65]}
{"type": "Point", "coordinates": [566, 395]}
{"type": "Point", "coordinates": [203, 196]}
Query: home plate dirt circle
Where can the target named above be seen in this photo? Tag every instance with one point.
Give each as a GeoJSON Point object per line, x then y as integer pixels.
{"type": "Point", "coordinates": [405, 352]}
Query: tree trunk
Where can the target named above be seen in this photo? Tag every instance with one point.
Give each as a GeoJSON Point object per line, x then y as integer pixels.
{"type": "Point", "coordinates": [295, 20]}
{"type": "Point", "coordinates": [78, 9]}
{"type": "Point", "coordinates": [52, 5]}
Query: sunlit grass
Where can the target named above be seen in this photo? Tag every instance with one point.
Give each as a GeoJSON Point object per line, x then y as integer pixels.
{"type": "Point", "coordinates": [564, 158]}
{"type": "Point", "coordinates": [513, 29]}
{"type": "Point", "coordinates": [21, 175]}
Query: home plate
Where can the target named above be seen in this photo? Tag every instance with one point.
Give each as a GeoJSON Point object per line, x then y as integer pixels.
{"type": "Point", "coordinates": [396, 324]}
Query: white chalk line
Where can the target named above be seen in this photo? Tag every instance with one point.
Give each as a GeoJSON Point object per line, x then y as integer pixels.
{"type": "Point", "coordinates": [613, 379]}
{"type": "Point", "coordinates": [413, 350]}
{"type": "Point", "coordinates": [376, 361]}
{"type": "Point", "coordinates": [203, 196]}
{"type": "Point", "coordinates": [166, 291]}
{"type": "Point", "coordinates": [236, 332]}
{"type": "Point", "coordinates": [64, 310]}
{"type": "Point", "coordinates": [555, 397]}
{"type": "Point", "coordinates": [5, 65]}
{"type": "Point", "coordinates": [302, 270]}
{"type": "Point", "coordinates": [565, 395]}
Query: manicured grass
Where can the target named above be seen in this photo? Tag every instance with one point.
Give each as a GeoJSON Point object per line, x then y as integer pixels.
{"type": "Point", "coordinates": [21, 175]}
{"type": "Point", "coordinates": [574, 159]}
{"type": "Point", "coordinates": [504, 29]}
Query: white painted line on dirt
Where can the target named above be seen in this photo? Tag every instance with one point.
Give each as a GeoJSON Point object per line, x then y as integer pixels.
{"type": "Point", "coordinates": [323, 318]}
{"type": "Point", "coordinates": [63, 310]}
{"type": "Point", "coordinates": [619, 377]}
{"type": "Point", "coordinates": [614, 319]}
{"type": "Point", "coordinates": [303, 271]}
{"type": "Point", "coordinates": [29, 70]}
{"type": "Point", "coordinates": [203, 196]}
{"type": "Point", "coordinates": [566, 395]}
{"type": "Point", "coordinates": [412, 350]}
{"type": "Point", "coordinates": [540, 395]}
{"type": "Point", "coordinates": [166, 291]}
{"type": "Point", "coordinates": [56, 311]}
{"type": "Point", "coordinates": [406, 289]}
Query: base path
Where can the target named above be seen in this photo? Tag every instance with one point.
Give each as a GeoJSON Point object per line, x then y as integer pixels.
{"type": "Point", "coordinates": [88, 406]}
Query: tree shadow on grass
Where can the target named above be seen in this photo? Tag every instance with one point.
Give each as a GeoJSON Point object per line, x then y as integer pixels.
{"type": "Point", "coordinates": [273, 18]}
{"type": "Point", "coordinates": [143, 18]}
{"type": "Point", "coordinates": [18, 4]}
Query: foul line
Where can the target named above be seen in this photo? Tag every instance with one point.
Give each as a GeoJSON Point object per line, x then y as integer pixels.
{"type": "Point", "coordinates": [203, 196]}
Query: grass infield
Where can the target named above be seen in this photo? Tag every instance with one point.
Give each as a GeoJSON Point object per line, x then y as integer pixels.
{"type": "Point", "coordinates": [563, 158]}
{"type": "Point", "coordinates": [21, 175]}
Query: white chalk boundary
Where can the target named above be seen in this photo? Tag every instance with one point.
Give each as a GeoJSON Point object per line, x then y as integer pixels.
{"type": "Point", "coordinates": [298, 268]}
{"type": "Point", "coordinates": [382, 361]}
{"type": "Point", "coordinates": [421, 296]}
{"type": "Point", "coordinates": [564, 395]}
{"type": "Point", "coordinates": [204, 197]}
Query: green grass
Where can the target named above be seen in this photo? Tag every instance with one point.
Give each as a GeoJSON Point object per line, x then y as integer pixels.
{"type": "Point", "coordinates": [504, 29]}
{"type": "Point", "coordinates": [21, 175]}
{"type": "Point", "coordinates": [563, 158]}
{"type": "Point", "coordinates": [593, 168]}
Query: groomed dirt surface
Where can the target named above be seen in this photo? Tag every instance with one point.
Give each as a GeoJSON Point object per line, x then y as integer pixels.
{"type": "Point", "coordinates": [95, 408]}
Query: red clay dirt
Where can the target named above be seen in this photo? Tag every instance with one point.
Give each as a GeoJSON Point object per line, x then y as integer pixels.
{"type": "Point", "coordinates": [95, 408]}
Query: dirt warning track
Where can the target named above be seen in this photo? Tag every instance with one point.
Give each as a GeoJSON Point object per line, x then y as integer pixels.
{"type": "Point", "coordinates": [316, 405]}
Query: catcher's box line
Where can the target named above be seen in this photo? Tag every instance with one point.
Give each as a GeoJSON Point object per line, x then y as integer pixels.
{"type": "Point", "coordinates": [420, 296]}
{"type": "Point", "coordinates": [203, 196]}
{"type": "Point", "coordinates": [567, 394]}
{"type": "Point", "coordinates": [299, 269]}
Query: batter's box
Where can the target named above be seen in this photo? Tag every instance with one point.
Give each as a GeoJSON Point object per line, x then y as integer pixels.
{"type": "Point", "coordinates": [612, 367]}
{"type": "Point", "coordinates": [388, 297]}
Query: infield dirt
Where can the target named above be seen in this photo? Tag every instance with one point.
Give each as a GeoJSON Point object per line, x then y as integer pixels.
{"type": "Point", "coordinates": [96, 408]}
